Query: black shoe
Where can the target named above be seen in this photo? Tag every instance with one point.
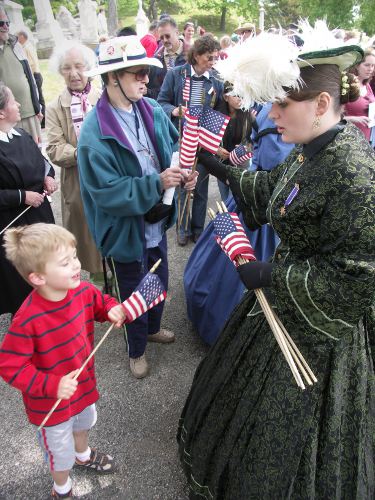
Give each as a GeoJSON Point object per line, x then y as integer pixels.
{"type": "Point", "coordinates": [195, 237]}
{"type": "Point", "coordinates": [182, 240]}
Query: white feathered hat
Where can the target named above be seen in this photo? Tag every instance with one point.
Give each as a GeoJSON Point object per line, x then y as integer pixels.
{"type": "Point", "coordinates": [260, 68]}
{"type": "Point", "coordinates": [121, 52]}
{"type": "Point", "coordinates": [265, 67]}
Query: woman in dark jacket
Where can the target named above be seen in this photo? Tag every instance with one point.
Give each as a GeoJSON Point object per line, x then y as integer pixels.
{"type": "Point", "coordinates": [25, 178]}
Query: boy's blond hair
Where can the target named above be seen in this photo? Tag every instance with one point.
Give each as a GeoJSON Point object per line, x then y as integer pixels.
{"type": "Point", "coordinates": [29, 247]}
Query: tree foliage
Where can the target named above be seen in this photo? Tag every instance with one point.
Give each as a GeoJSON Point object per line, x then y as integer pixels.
{"type": "Point", "coordinates": [277, 12]}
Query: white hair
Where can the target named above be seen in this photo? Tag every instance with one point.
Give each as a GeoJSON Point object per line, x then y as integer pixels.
{"type": "Point", "coordinates": [60, 53]}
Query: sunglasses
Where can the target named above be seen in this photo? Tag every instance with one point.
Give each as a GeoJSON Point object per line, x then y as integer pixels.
{"type": "Point", "coordinates": [212, 58]}
{"type": "Point", "coordinates": [140, 75]}
{"type": "Point", "coordinates": [4, 23]}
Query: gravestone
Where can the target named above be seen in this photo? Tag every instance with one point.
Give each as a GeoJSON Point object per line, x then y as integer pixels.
{"type": "Point", "coordinates": [68, 24]}
{"type": "Point", "coordinates": [49, 32]}
{"type": "Point", "coordinates": [141, 21]}
{"type": "Point", "coordinates": [89, 22]}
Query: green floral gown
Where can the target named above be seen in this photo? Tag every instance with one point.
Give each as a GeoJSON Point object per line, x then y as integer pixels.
{"type": "Point", "coordinates": [247, 431]}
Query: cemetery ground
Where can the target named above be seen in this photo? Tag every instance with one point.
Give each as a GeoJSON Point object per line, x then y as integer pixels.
{"type": "Point", "coordinates": [137, 419]}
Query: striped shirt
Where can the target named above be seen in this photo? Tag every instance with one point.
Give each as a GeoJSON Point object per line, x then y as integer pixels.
{"type": "Point", "coordinates": [48, 340]}
{"type": "Point", "coordinates": [197, 92]}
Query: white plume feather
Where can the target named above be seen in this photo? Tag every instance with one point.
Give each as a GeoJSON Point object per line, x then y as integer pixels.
{"type": "Point", "coordinates": [317, 37]}
{"type": "Point", "coordinates": [260, 67]}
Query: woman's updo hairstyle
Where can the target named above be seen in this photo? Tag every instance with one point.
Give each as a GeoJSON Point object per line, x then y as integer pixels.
{"type": "Point", "coordinates": [326, 78]}
{"type": "Point", "coordinates": [4, 95]}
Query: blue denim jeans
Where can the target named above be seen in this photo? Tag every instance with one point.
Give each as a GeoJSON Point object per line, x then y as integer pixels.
{"type": "Point", "coordinates": [199, 207]}
{"type": "Point", "coordinates": [128, 276]}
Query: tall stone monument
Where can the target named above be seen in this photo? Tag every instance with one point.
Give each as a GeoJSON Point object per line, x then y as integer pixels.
{"type": "Point", "coordinates": [141, 21]}
{"type": "Point", "coordinates": [112, 17]}
{"type": "Point", "coordinates": [89, 22]}
{"type": "Point", "coordinates": [68, 24]}
{"type": "Point", "coordinates": [48, 30]}
{"type": "Point", "coordinates": [14, 12]}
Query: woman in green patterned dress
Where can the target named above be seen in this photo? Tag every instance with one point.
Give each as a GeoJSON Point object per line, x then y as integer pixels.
{"type": "Point", "coordinates": [247, 431]}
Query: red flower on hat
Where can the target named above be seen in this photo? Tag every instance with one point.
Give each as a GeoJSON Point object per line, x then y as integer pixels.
{"type": "Point", "coordinates": [110, 50]}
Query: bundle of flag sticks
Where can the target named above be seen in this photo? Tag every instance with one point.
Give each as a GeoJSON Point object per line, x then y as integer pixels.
{"type": "Point", "coordinates": [236, 245]}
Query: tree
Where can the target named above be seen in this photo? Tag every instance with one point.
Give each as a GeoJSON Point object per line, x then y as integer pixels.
{"type": "Point", "coordinates": [366, 17]}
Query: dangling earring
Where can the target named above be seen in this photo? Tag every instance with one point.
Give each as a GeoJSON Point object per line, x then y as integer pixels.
{"type": "Point", "coordinates": [316, 123]}
{"type": "Point", "coordinates": [115, 84]}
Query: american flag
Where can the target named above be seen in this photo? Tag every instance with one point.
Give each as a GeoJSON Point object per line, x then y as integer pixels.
{"type": "Point", "coordinates": [149, 293]}
{"type": "Point", "coordinates": [190, 137]}
{"type": "Point", "coordinates": [186, 90]}
{"type": "Point", "coordinates": [212, 128]}
{"type": "Point", "coordinates": [232, 238]}
{"type": "Point", "coordinates": [239, 155]}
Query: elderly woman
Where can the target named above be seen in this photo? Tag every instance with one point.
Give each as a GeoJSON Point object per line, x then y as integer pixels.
{"type": "Point", "coordinates": [25, 178]}
{"type": "Point", "coordinates": [247, 430]}
{"type": "Point", "coordinates": [124, 157]}
{"type": "Point", "coordinates": [207, 90]}
{"type": "Point", "coordinates": [64, 119]}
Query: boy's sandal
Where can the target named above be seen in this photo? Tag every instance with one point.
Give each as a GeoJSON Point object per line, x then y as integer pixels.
{"type": "Point", "coordinates": [67, 496]}
{"type": "Point", "coordinates": [98, 462]}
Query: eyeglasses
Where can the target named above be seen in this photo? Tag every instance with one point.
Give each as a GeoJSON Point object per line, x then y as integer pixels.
{"type": "Point", "coordinates": [140, 75]}
{"type": "Point", "coordinates": [212, 58]}
{"type": "Point", "coordinates": [4, 23]}
{"type": "Point", "coordinates": [68, 69]}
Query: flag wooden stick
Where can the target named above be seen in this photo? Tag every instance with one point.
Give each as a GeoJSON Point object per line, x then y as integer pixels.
{"type": "Point", "coordinates": [219, 208]}
{"type": "Point", "coordinates": [76, 375]}
{"type": "Point", "coordinates": [188, 199]}
{"type": "Point", "coordinates": [47, 417]}
{"type": "Point", "coordinates": [279, 337]}
{"type": "Point", "coordinates": [290, 351]}
{"type": "Point", "coordinates": [14, 220]}
{"type": "Point", "coordinates": [295, 348]}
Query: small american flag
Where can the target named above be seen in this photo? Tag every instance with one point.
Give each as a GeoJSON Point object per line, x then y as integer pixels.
{"type": "Point", "coordinates": [232, 238]}
{"type": "Point", "coordinates": [190, 137]}
{"type": "Point", "coordinates": [149, 293]}
{"type": "Point", "coordinates": [239, 155]}
{"type": "Point", "coordinates": [186, 90]}
{"type": "Point", "coordinates": [212, 128]}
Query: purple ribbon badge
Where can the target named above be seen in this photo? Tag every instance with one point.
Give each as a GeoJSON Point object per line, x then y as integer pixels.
{"type": "Point", "coordinates": [290, 198]}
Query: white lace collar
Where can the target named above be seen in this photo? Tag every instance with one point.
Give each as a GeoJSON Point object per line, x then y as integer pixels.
{"type": "Point", "coordinates": [6, 137]}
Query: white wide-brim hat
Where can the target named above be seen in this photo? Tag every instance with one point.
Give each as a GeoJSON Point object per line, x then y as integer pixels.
{"type": "Point", "coordinates": [121, 52]}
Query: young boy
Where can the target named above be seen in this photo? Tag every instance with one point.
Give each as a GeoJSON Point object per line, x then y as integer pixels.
{"type": "Point", "coordinates": [49, 339]}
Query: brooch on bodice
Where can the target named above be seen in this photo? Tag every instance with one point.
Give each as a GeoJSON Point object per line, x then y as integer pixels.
{"type": "Point", "coordinates": [290, 198]}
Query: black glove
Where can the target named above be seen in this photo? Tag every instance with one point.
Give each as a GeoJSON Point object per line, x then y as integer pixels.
{"type": "Point", "coordinates": [158, 212]}
{"type": "Point", "coordinates": [255, 274]}
{"type": "Point", "coordinates": [213, 165]}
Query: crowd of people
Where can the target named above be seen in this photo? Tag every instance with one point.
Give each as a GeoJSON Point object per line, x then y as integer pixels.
{"type": "Point", "coordinates": [305, 194]}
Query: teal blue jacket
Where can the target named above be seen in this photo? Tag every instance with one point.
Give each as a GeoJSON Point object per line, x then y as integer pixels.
{"type": "Point", "coordinates": [115, 194]}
